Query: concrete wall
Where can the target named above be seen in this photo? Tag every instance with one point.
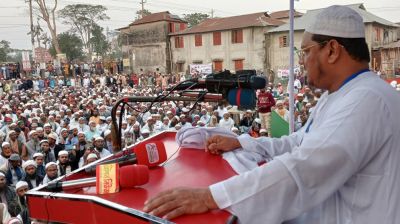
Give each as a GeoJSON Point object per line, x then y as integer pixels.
{"type": "Point", "coordinates": [279, 56]}
{"type": "Point", "coordinates": [251, 50]}
{"type": "Point", "coordinates": [149, 45]}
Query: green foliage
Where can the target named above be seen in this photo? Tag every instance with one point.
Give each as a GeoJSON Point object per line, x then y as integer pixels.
{"type": "Point", "coordinates": [142, 13]}
{"type": "Point", "coordinates": [83, 19]}
{"type": "Point", "coordinates": [98, 41]}
{"type": "Point", "coordinates": [195, 18]}
{"type": "Point", "coordinates": [4, 50]}
{"type": "Point", "coordinates": [70, 44]}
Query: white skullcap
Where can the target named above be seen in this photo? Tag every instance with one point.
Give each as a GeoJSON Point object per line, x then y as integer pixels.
{"type": "Point", "coordinates": [43, 141]}
{"type": "Point", "coordinates": [28, 163]}
{"type": "Point", "coordinates": [81, 133]}
{"type": "Point", "coordinates": [52, 136]}
{"type": "Point", "coordinates": [106, 133]}
{"type": "Point", "coordinates": [39, 129]}
{"type": "Point", "coordinates": [32, 132]}
{"type": "Point", "coordinates": [37, 154]}
{"type": "Point", "coordinates": [145, 131]}
{"type": "Point", "coordinates": [98, 138]}
{"type": "Point", "coordinates": [47, 125]}
{"type": "Point", "coordinates": [263, 130]}
{"type": "Point", "coordinates": [21, 184]}
{"type": "Point", "coordinates": [234, 129]}
{"type": "Point", "coordinates": [4, 144]}
{"type": "Point", "coordinates": [92, 156]}
{"type": "Point", "coordinates": [2, 174]}
{"type": "Point", "coordinates": [50, 164]}
{"type": "Point", "coordinates": [62, 153]}
{"type": "Point", "coordinates": [338, 21]}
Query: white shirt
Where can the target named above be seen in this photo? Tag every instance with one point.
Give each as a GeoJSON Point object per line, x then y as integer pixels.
{"type": "Point", "coordinates": [227, 124]}
{"type": "Point", "coordinates": [346, 169]}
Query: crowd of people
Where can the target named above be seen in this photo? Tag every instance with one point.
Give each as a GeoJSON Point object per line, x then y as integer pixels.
{"type": "Point", "coordinates": [53, 125]}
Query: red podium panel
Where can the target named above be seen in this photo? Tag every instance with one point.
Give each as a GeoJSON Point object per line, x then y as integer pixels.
{"type": "Point", "coordinates": [184, 168]}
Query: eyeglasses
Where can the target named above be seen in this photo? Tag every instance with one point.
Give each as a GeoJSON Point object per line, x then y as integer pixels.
{"type": "Point", "coordinates": [301, 53]}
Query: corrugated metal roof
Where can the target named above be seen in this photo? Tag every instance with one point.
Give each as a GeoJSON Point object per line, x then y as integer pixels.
{"type": "Point", "coordinates": [260, 19]}
{"type": "Point", "coordinates": [155, 17]}
{"type": "Point", "coordinates": [301, 23]}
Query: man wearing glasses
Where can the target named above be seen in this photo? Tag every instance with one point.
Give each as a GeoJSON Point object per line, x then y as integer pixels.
{"type": "Point", "coordinates": [343, 166]}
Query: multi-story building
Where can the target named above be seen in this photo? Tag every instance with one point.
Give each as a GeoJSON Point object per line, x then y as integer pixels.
{"type": "Point", "coordinates": [378, 32]}
{"type": "Point", "coordinates": [145, 42]}
{"type": "Point", "coordinates": [232, 43]}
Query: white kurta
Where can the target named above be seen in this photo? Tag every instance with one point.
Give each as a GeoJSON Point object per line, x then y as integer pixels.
{"type": "Point", "coordinates": [346, 169]}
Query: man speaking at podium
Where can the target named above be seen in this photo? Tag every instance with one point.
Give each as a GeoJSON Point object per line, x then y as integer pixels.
{"type": "Point", "coordinates": [342, 167]}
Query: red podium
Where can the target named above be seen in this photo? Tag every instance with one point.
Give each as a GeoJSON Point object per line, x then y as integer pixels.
{"type": "Point", "coordinates": [184, 168]}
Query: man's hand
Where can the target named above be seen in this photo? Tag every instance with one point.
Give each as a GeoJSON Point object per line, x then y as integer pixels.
{"type": "Point", "coordinates": [218, 144]}
{"type": "Point", "coordinates": [176, 202]}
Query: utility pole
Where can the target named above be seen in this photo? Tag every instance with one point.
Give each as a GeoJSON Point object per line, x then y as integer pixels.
{"type": "Point", "coordinates": [212, 13]}
{"type": "Point", "coordinates": [32, 35]}
{"type": "Point", "coordinates": [142, 3]}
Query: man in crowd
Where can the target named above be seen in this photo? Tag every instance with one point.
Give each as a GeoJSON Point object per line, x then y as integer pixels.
{"type": "Point", "coordinates": [265, 101]}
{"type": "Point", "coordinates": [8, 196]}
{"type": "Point", "coordinates": [13, 170]}
{"type": "Point", "coordinates": [51, 172]}
{"type": "Point", "coordinates": [40, 166]}
{"type": "Point", "coordinates": [63, 162]}
{"type": "Point", "coordinates": [32, 178]}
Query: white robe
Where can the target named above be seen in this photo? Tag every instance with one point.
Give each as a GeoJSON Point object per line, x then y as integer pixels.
{"type": "Point", "coordinates": [346, 169]}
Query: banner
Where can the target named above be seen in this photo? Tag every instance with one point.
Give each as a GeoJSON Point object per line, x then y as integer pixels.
{"type": "Point", "coordinates": [203, 69]}
{"type": "Point", "coordinates": [26, 62]}
{"type": "Point", "coordinates": [279, 127]}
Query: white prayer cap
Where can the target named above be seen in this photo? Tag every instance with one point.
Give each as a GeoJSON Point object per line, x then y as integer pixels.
{"type": "Point", "coordinates": [263, 130]}
{"type": "Point", "coordinates": [234, 129]}
{"type": "Point", "coordinates": [145, 131]}
{"type": "Point", "coordinates": [32, 132]}
{"type": "Point", "coordinates": [37, 155]}
{"type": "Point", "coordinates": [43, 141]}
{"type": "Point", "coordinates": [62, 153]}
{"type": "Point", "coordinates": [4, 144]}
{"type": "Point", "coordinates": [21, 184]}
{"type": "Point", "coordinates": [92, 156]}
{"type": "Point", "coordinates": [98, 138]}
{"type": "Point", "coordinates": [107, 132]}
{"type": "Point", "coordinates": [47, 125]}
{"type": "Point", "coordinates": [338, 21]}
{"type": "Point", "coordinates": [28, 163]}
{"type": "Point", "coordinates": [2, 174]}
{"type": "Point", "coordinates": [52, 136]}
{"type": "Point", "coordinates": [50, 164]}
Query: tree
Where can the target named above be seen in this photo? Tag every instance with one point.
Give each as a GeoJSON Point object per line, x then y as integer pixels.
{"type": "Point", "coordinates": [70, 44]}
{"type": "Point", "coordinates": [142, 13]}
{"type": "Point", "coordinates": [83, 19]}
{"type": "Point", "coordinates": [4, 50]}
{"type": "Point", "coordinates": [98, 41]}
{"type": "Point", "coordinates": [194, 18]}
{"type": "Point", "coordinates": [47, 13]}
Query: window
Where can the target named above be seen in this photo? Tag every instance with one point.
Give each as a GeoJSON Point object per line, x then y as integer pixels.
{"type": "Point", "coordinates": [217, 38]}
{"type": "Point", "coordinates": [217, 66]}
{"type": "Point", "coordinates": [177, 27]}
{"type": "Point", "coordinates": [179, 42]}
{"type": "Point", "coordinates": [171, 27]}
{"type": "Point", "coordinates": [182, 26]}
{"type": "Point", "coordinates": [377, 34]}
{"type": "Point", "coordinates": [238, 64]}
{"type": "Point", "coordinates": [283, 41]}
{"type": "Point", "coordinates": [237, 36]}
{"type": "Point", "coordinates": [179, 66]}
{"type": "Point", "coordinates": [198, 40]}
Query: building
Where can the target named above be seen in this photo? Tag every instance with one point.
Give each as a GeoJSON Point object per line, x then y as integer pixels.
{"type": "Point", "coordinates": [232, 43]}
{"type": "Point", "coordinates": [145, 42]}
{"type": "Point", "coordinates": [378, 32]}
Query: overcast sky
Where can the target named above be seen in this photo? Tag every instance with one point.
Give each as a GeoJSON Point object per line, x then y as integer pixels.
{"type": "Point", "coordinates": [14, 17]}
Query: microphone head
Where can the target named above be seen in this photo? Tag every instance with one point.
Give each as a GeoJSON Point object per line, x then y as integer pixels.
{"type": "Point", "coordinates": [133, 175]}
{"type": "Point", "coordinates": [245, 98]}
{"type": "Point", "coordinates": [150, 154]}
{"type": "Point", "coordinates": [258, 82]}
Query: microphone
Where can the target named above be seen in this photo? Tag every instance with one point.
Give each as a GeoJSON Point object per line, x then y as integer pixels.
{"type": "Point", "coordinates": [129, 177]}
{"type": "Point", "coordinates": [150, 154]}
{"type": "Point", "coordinates": [245, 98]}
{"type": "Point", "coordinates": [223, 81]}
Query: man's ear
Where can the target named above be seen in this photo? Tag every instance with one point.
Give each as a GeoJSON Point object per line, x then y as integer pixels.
{"type": "Point", "coordinates": [334, 50]}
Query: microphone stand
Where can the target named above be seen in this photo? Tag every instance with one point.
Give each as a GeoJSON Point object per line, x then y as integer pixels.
{"type": "Point", "coordinates": [193, 96]}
